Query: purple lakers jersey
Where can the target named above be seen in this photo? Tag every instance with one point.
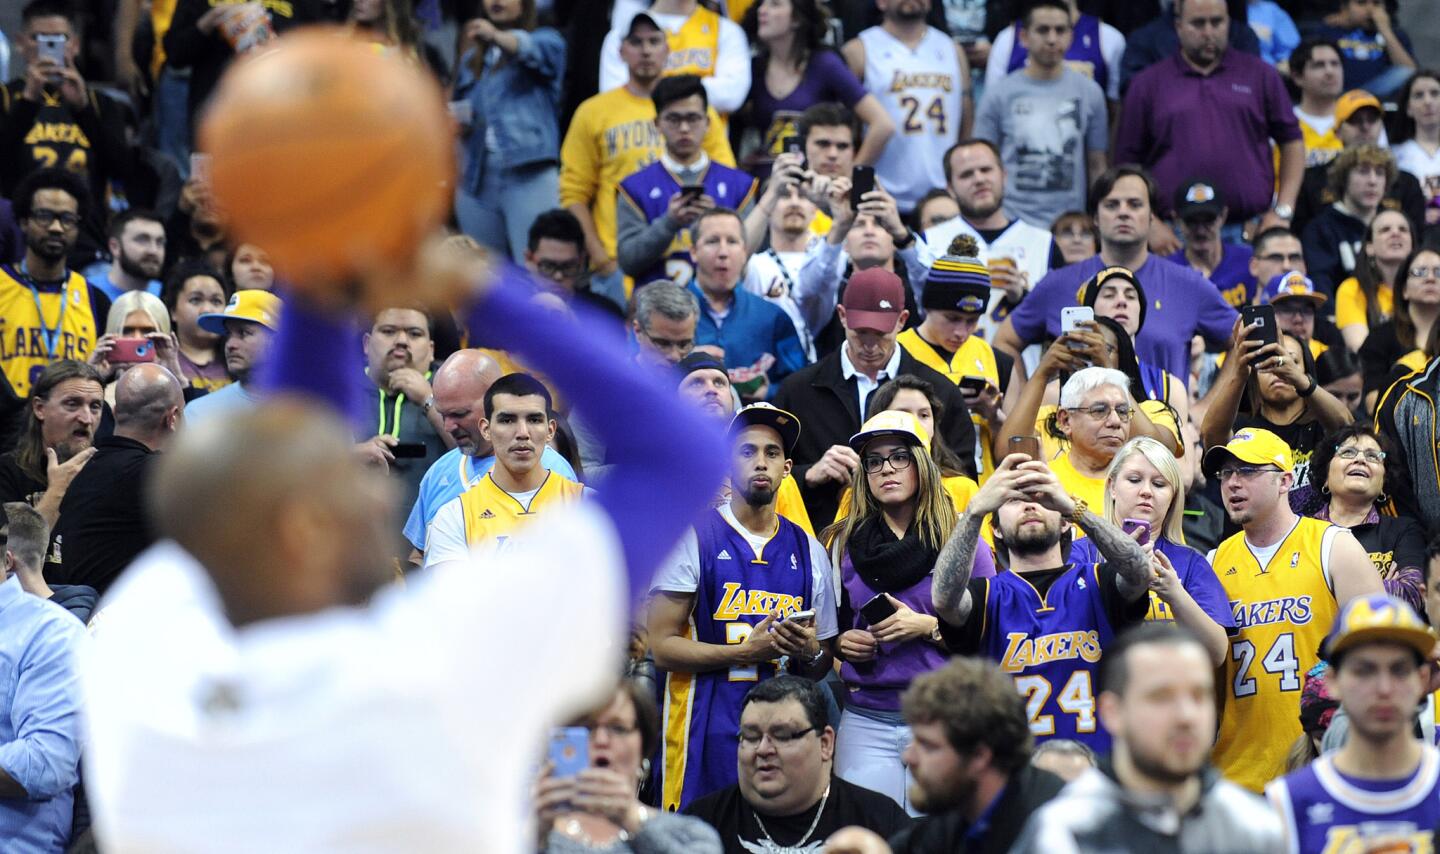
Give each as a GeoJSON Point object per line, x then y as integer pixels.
{"type": "Point", "coordinates": [738, 588]}
{"type": "Point", "coordinates": [1083, 56]}
{"type": "Point", "coordinates": [649, 191]}
{"type": "Point", "coordinates": [1327, 812]}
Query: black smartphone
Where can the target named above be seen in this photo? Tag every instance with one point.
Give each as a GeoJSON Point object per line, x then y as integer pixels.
{"type": "Point", "coordinates": [1264, 315]}
{"type": "Point", "coordinates": [877, 610]}
{"type": "Point", "coordinates": [409, 451]}
{"type": "Point", "coordinates": [862, 181]}
{"type": "Point", "coordinates": [973, 385]}
{"type": "Point", "coordinates": [1027, 445]}
{"type": "Point", "coordinates": [691, 193]}
{"type": "Point", "coordinates": [790, 143]}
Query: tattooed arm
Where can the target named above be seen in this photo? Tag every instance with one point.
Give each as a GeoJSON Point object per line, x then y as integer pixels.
{"type": "Point", "coordinates": [1132, 566]}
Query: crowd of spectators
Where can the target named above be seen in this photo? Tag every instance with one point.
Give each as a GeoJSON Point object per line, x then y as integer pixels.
{"type": "Point", "coordinates": [1078, 362]}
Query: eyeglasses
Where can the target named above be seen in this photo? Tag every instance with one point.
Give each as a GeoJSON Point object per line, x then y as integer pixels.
{"type": "Point", "coordinates": [1350, 452]}
{"type": "Point", "coordinates": [568, 270]}
{"type": "Point", "coordinates": [45, 219]}
{"type": "Point", "coordinates": [779, 737]}
{"type": "Point", "coordinates": [676, 120]}
{"type": "Point", "coordinates": [1415, 272]}
{"type": "Point", "coordinates": [898, 460]}
{"type": "Point", "coordinates": [1294, 307]}
{"type": "Point", "coordinates": [1246, 472]}
{"type": "Point", "coordinates": [1101, 411]}
{"type": "Point", "coordinates": [615, 730]}
{"type": "Point", "coordinates": [1293, 260]}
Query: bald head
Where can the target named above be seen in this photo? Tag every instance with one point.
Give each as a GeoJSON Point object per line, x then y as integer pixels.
{"type": "Point", "coordinates": [460, 386]}
{"type": "Point", "coordinates": [148, 401]}
{"type": "Point", "coordinates": [276, 507]}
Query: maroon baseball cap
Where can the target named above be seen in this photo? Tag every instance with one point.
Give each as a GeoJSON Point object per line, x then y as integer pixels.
{"type": "Point", "coordinates": [873, 299]}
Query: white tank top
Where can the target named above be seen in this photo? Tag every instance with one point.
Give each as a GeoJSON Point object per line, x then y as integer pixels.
{"type": "Point", "coordinates": [921, 90]}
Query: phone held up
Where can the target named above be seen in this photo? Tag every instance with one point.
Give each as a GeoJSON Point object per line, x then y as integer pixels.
{"type": "Point", "coordinates": [862, 181]}
{"type": "Point", "coordinates": [1130, 526]}
{"type": "Point", "coordinates": [1071, 318]}
{"type": "Point", "coordinates": [1264, 316]}
{"type": "Point", "coordinates": [1027, 445]}
{"type": "Point", "coordinates": [569, 750]}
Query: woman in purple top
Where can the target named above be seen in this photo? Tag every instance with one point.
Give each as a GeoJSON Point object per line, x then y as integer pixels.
{"type": "Point", "coordinates": [886, 548]}
{"type": "Point", "coordinates": [1144, 484]}
{"type": "Point", "coordinates": [793, 70]}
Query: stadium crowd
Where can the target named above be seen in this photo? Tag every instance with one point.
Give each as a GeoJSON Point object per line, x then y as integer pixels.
{"type": "Point", "coordinates": [1078, 363]}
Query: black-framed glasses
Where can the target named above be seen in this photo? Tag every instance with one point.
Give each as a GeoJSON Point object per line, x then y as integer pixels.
{"type": "Point", "coordinates": [778, 737]}
{"type": "Point", "coordinates": [1101, 411]}
{"type": "Point", "coordinates": [1350, 452]}
{"type": "Point", "coordinates": [676, 120]}
{"type": "Point", "coordinates": [45, 219]}
{"type": "Point", "coordinates": [615, 730]}
{"type": "Point", "coordinates": [568, 269]}
{"type": "Point", "coordinates": [898, 460]}
{"type": "Point", "coordinates": [1246, 472]}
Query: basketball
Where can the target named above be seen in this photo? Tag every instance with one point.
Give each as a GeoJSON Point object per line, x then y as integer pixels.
{"type": "Point", "coordinates": [335, 156]}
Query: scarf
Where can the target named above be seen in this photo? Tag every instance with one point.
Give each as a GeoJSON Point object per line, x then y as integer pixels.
{"type": "Point", "coordinates": [886, 563]}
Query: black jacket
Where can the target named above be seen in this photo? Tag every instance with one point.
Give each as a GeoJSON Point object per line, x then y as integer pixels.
{"type": "Point", "coordinates": [828, 407]}
{"type": "Point", "coordinates": [103, 523]}
{"type": "Point", "coordinates": [945, 833]}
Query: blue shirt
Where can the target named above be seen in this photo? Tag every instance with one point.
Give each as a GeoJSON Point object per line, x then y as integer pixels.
{"type": "Point", "coordinates": [451, 475]}
{"type": "Point", "coordinates": [1362, 53]}
{"type": "Point", "coordinates": [1231, 276]}
{"type": "Point", "coordinates": [753, 327]}
{"type": "Point", "coordinates": [224, 401]}
{"type": "Point", "coordinates": [113, 291]}
{"type": "Point", "coordinates": [1274, 29]}
{"type": "Point", "coordinates": [40, 725]}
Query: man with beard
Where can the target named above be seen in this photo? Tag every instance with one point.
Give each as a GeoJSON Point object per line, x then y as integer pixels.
{"type": "Point", "coordinates": [137, 252]}
{"type": "Point", "coordinates": [1018, 254]}
{"type": "Point", "coordinates": [249, 322]}
{"type": "Point", "coordinates": [519, 424]}
{"type": "Point", "coordinates": [1155, 792]}
{"type": "Point", "coordinates": [1381, 668]}
{"type": "Point", "coordinates": [746, 596]}
{"type": "Point", "coordinates": [56, 443]}
{"type": "Point", "coordinates": [47, 310]}
{"type": "Point", "coordinates": [1286, 577]}
{"type": "Point", "coordinates": [1045, 622]}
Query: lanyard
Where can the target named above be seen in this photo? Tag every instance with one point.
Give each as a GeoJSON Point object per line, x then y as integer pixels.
{"type": "Point", "coordinates": [52, 334]}
{"type": "Point", "coordinates": [395, 413]}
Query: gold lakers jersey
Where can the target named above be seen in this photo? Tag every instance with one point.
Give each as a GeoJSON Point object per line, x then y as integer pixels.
{"type": "Point", "coordinates": [1283, 610]}
{"type": "Point", "coordinates": [40, 324]}
{"type": "Point", "coordinates": [975, 358]}
{"type": "Point", "coordinates": [491, 513]}
{"type": "Point", "coordinates": [695, 47]}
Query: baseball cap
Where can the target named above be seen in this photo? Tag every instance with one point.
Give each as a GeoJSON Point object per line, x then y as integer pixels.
{"type": "Point", "coordinates": [1379, 617]}
{"type": "Point", "coordinates": [873, 299]}
{"type": "Point", "coordinates": [698, 360]}
{"type": "Point", "coordinates": [1252, 445]}
{"type": "Point", "coordinates": [254, 305]}
{"type": "Point", "coordinates": [1198, 196]}
{"type": "Point", "coordinates": [892, 423]}
{"type": "Point", "coordinates": [765, 415]}
{"type": "Point", "coordinates": [1353, 101]}
{"type": "Point", "coordinates": [1292, 284]}
{"type": "Point", "coordinates": [642, 19]}
{"type": "Point", "coordinates": [957, 281]}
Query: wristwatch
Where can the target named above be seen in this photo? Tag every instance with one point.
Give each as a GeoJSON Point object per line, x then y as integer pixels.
{"type": "Point", "coordinates": [1309, 390]}
{"type": "Point", "coordinates": [905, 242]}
{"type": "Point", "coordinates": [1081, 508]}
{"type": "Point", "coordinates": [428, 405]}
{"type": "Point", "coordinates": [1284, 211]}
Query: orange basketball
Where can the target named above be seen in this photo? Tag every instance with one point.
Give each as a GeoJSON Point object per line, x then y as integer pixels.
{"type": "Point", "coordinates": [333, 155]}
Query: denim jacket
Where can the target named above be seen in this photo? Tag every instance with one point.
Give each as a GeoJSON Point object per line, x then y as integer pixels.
{"type": "Point", "coordinates": [520, 99]}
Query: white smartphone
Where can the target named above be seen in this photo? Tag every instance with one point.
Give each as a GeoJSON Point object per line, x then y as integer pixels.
{"type": "Point", "coordinates": [802, 616]}
{"type": "Point", "coordinates": [1072, 316]}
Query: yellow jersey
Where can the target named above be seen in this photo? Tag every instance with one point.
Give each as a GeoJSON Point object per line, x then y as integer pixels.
{"type": "Point", "coordinates": [491, 513]}
{"type": "Point", "coordinates": [975, 358]}
{"type": "Point", "coordinates": [41, 324]}
{"type": "Point", "coordinates": [613, 135]}
{"type": "Point", "coordinates": [695, 47]}
{"type": "Point", "coordinates": [1350, 303]}
{"type": "Point", "coordinates": [1283, 610]}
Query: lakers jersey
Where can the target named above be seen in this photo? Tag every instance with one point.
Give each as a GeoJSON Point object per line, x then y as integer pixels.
{"type": "Point", "coordinates": [975, 358]}
{"type": "Point", "coordinates": [921, 89]}
{"type": "Point", "coordinates": [1027, 247]}
{"type": "Point", "coordinates": [1283, 610]}
{"type": "Point", "coordinates": [649, 191]}
{"type": "Point", "coordinates": [1326, 812]}
{"type": "Point", "coordinates": [41, 322]}
{"type": "Point", "coordinates": [695, 47]}
{"type": "Point", "coordinates": [492, 514]}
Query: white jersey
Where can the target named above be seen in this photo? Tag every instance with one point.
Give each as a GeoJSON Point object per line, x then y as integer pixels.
{"type": "Point", "coordinates": [776, 277]}
{"type": "Point", "coordinates": [922, 91]}
{"type": "Point", "coordinates": [1410, 157]}
{"type": "Point", "coordinates": [1026, 245]}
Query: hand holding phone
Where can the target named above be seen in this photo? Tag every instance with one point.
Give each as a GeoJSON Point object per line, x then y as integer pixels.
{"type": "Point", "coordinates": [1263, 318]}
{"type": "Point", "coordinates": [807, 616]}
{"type": "Point", "coordinates": [862, 181]}
{"type": "Point", "coordinates": [973, 386]}
{"type": "Point", "coordinates": [1027, 445]}
{"type": "Point", "coordinates": [569, 751]}
{"type": "Point", "coordinates": [878, 609]}
{"type": "Point", "coordinates": [691, 193]}
{"type": "Point", "coordinates": [1130, 526]}
{"type": "Point", "coordinates": [51, 46]}
{"type": "Point", "coordinates": [1073, 319]}
{"type": "Point", "coordinates": [130, 351]}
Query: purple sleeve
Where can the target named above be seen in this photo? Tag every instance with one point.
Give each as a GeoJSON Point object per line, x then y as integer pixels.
{"type": "Point", "coordinates": [1200, 581]}
{"type": "Point", "coordinates": [1279, 110]}
{"type": "Point", "coordinates": [984, 565]}
{"type": "Point", "coordinates": [1030, 317]}
{"type": "Point", "coordinates": [827, 66]}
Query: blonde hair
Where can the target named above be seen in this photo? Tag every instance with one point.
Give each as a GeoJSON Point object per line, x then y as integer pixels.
{"type": "Point", "coordinates": [1164, 462]}
{"type": "Point", "coordinates": [935, 515]}
{"type": "Point", "coordinates": [136, 301]}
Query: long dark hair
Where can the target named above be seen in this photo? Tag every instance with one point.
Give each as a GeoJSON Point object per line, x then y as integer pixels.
{"type": "Point", "coordinates": [1404, 325]}
{"type": "Point", "coordinates": [30, 449]}
{"type": "Point", "coordinates": [1405, 127]}
{"type": "Point", "coordinates": [1396, 483]}
{"type": "Point", "coordinates": [809, 38]}
{"type": "Point", "coordinates": [1368, 274]}
{"type": "Point", "coordinates": [1252, 385]}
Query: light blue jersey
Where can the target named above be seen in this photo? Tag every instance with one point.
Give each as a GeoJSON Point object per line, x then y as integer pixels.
{"type": "Point", "coordinates": [451, 475]}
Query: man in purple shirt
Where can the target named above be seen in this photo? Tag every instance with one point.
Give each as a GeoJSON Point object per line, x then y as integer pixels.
{"type": "Point", "coordinates": [1212, 110]}
{"type": "Point", "coordinates": [1182, 303]}
{"type": "Point", "coordinates": [1200, 208]}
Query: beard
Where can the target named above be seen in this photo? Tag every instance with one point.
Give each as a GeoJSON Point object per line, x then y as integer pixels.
{"type": "Point", "coordinates": [974, 213]}
{"type": "Point", "coordinates": [138, 269]}
{"type": "Point", "coordinates": [910, 11]}
{"type": "Point", "coordinates": [1026, 541]}
{"type": "Point", "coordinates": [1154, 767]}
{"type": "Point", "coordinates": [757, 497]}
{"type": "Point", "coordinates": [953, 795]}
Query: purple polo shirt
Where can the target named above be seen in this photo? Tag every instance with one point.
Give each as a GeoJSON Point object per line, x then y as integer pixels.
{"type": "Point", "coordinates": [1180, 124]}
{"type": "Point", "coordinates": [1182, 304]}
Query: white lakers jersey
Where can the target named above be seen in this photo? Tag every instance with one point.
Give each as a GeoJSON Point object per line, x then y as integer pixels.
{"type": "Point", "coordinates": [1024, 244]}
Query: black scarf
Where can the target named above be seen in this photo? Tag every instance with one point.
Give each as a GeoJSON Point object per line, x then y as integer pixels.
{"type": "Point", "coordinates": [885, 562]}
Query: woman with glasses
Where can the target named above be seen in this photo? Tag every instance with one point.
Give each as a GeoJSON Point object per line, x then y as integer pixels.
{"type": "Point", "coordinates": [1074, 234]}
{"type": "Point", "coordinates": [1367, 299]}
{"type": "Point", "coordinates": [1417, 306]}
{"type": "Point", "coordinates": [1144, 485]}
{"type": "Point", "coordinates": [886, 549]}
{"type": "Point", "coordinates": [1357, 485]}
{"type": "Point", "coordinates": [599, 808]}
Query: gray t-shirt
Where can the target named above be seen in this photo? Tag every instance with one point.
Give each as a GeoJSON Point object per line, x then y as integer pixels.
{"type": "Point", "coordinates": [1043, 129]}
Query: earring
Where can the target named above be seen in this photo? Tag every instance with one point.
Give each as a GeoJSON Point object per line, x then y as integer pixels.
{"type": "Point", "coordinates": [644, 769]}
{"type": "Point", "coordinates": [1324, 489]}
{"type": "Point", "coordinates": [1382, 499]}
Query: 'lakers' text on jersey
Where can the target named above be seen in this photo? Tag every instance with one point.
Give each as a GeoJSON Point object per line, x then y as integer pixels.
{"type": "Point", "coordinates": [1326, 812]}
{"type": "Point", "coordinates": [1282, 609]}
{"type": "Point", "coordinates": [40, 323]}
{"type": "Point", "coordinates": [649, 191]}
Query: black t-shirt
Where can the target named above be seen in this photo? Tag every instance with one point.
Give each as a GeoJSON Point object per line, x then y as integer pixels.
{"type": "Point", "coordinates": [16, 485]}
{"type": "Point", "coordinates": [969, 639]}
{"type": "Point", "coordinates": [848, 804]}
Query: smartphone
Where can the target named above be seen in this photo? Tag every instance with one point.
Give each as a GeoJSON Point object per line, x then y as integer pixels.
{"type": "Point", "coordinates": [132, 350]}
{"type": "Point", "coordinates": [877, 610]}
{"type": "Point", "coordinates": [51, 46]}
{"type": "Point", "coordinates": [1027, 445]}
{"type": "Point", "coordinates": [409, 451]}
{"type": "Point", "coordinates": [862, 181]}
{"type": "Point", "coordinates": [973, 385]}
{"type": "Point", "coordinates": [800, 616]}
{"type": "Point", "coordinates": [790, 143]}
{"type": "Point", "coordinates": [1264, 315]}
{"type": "Point", "coordinates": [1130, 526]}
{"type": "Point", "coordinates": [569, 750]}
{"type": "Point", "coordinates": [691, 193]}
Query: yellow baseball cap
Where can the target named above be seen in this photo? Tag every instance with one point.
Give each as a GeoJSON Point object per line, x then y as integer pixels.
{"type": "Point", "coordinates": [891, 422]}
{"type": "Point", "coordinates": [1353, 101]}
{"type": "Point", "coordinates": [1251, 445]}
{"type": "Point", "coordinates": [1379, 618]}
{"type": "Point", "coordinates": [254, 305]}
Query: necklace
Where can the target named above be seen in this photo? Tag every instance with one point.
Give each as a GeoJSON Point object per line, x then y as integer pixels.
{"type": "Point", "coordinates": [806, 838]}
